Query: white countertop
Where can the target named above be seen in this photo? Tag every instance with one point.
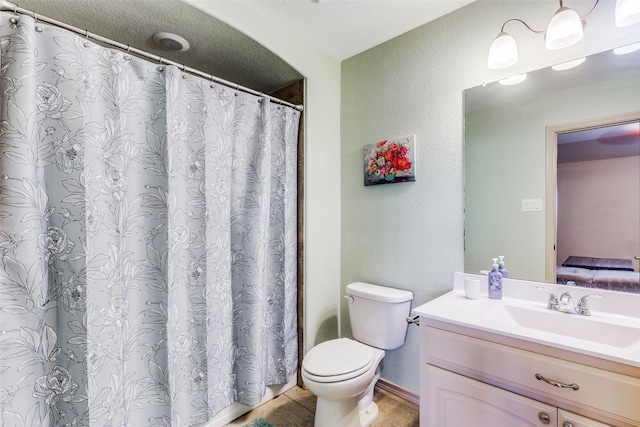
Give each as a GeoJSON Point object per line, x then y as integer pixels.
{"type": "Point", "coordinates": [616, 309]}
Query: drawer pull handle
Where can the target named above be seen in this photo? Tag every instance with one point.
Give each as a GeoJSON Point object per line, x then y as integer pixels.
{"type": "Point", "coordinates": [555, 383]}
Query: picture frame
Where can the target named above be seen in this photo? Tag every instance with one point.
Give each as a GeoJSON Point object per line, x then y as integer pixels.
{"type": "Point", "coordinates": [390, 161]}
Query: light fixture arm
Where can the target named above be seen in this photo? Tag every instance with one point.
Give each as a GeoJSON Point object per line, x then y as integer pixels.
{"type": "Point", "coordinates": [544, 31]}
{"type": "Point", "coordinates": [588, 13]}
{"type": "Point", "coordinates": [564, 29]}
{"type": "Point", "coordinates": [523, 23]}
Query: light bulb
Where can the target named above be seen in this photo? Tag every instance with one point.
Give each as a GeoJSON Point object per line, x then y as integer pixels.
{"type": "Point", "coordinates": [503, 52]}
{"type": "Point", "coordinates": [565, 29]}
{"type": "Point", "coordinates": [627, 12]}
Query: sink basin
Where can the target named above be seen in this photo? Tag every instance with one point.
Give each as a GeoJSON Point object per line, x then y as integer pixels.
{"type": "Point", "coordinates": [568, 325]}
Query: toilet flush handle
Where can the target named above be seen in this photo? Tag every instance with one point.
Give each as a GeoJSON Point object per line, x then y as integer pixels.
{"type": "Point", "coordinates": [349, 298]}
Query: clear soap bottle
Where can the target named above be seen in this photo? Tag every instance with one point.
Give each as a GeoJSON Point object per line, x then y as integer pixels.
{"type": "Point", "coordinates": [495, 281]}
{"type": "Point", "coordinates": [501, 268]}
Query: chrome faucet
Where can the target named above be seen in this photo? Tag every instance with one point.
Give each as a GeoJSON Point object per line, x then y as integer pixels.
{"type": "Point", "coordinates": [565, 302]}
{"type": "Point", "coordinates": [583, 307]}
{"type": "Point", "coordinates": [553, 303]}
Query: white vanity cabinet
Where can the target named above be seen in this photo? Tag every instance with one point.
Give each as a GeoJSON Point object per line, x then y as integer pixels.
{"type": "Point", "coordinates": [455, 400]}
{"type": "Point", "coordinates": [569, 419]}
{"type": "Point", "coordinates": [471, 378]}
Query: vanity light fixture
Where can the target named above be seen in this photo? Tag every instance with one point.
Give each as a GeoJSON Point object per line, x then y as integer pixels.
{"type": "Point", "coordinates": [503, 51]}
{"type": "Point", "coordinates": [568, 65]}
{"type": "Point", "coordinates": [627, 12]}
{"type": "Point", "coordinates": [565, 29]}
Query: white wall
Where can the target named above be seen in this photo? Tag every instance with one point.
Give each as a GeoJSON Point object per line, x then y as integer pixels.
{"type": "Point", "coordinates": [322, 145]}
{"type": "Point", "coordinates": [410, 235]}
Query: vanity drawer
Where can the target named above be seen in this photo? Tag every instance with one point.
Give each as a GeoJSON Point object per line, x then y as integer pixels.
{"type": "Point", "coordinates": [604, 394]}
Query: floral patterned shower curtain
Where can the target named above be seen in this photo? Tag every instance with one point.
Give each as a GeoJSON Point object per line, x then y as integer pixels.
{"type": "Point", "coordinates": [147, 238]}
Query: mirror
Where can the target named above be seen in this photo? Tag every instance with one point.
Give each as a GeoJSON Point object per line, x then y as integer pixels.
{"type": "Point", "coordinates": [510, 172]}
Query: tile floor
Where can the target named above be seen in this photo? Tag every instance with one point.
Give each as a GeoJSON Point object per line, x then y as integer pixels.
{"type": "Point", "coordinates": [296, 408]}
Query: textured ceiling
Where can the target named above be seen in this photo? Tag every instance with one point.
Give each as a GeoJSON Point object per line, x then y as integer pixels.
{"type": "Point", "coordinates": [216, 48]}
{"type": "Point", "coordinates": [341, 28]}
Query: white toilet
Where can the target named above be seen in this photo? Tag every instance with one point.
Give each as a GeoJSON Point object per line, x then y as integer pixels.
{"type": "Point", "coordinates": [342, 372]}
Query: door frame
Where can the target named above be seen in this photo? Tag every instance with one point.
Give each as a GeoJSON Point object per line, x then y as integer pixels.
{"type": "Point", "coordinates": [552, 132]}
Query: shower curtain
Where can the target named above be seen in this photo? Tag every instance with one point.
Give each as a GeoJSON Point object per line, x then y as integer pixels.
{"type": "Point", "coordinates": [147, 238]}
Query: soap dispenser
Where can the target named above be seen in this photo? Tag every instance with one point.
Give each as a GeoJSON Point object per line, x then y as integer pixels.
{"type": "Point", "coordinates": [495, 281]}
{"type": "Point", "coordinates": [501, 268]}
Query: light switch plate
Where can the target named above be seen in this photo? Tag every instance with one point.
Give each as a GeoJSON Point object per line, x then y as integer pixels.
{"type": "Point", "coordinates": [531, 205]}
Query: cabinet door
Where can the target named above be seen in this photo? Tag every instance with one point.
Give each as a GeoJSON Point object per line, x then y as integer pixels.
{"type": "Point", "coordinates": [569, 419]}
{"type": "Point", "coordinates": [455, 400]}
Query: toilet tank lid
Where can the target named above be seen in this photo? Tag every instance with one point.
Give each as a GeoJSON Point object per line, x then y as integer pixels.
{"type": "Point", "coordinates": [378, 293]}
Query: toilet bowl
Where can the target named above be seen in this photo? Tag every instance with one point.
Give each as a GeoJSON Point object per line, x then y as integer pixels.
{"type": "Point", "coordinates": [342, 372]}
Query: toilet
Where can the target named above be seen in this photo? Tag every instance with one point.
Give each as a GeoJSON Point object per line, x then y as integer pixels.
{"type": "Point", "coordinates": [342, 372]}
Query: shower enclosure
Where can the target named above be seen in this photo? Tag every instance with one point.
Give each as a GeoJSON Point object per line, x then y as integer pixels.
{"type": "Point", "coordinates": [147, 237]}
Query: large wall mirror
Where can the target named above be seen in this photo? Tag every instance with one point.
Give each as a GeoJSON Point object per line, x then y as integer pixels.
{"type": "Point", "coordinates": [552, 174]}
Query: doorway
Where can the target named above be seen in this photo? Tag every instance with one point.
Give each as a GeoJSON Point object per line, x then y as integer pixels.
{"type": "Point", "coordinates": [593, 191]}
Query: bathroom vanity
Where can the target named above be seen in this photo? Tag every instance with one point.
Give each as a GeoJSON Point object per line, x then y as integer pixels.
{"type": "Point", "coordinates": [514, 362]}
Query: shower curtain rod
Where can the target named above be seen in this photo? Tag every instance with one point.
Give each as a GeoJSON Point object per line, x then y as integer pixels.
{"type": "Point", "coordinates": [10, 7]}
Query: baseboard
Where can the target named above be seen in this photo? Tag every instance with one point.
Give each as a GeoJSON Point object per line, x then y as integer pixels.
{"type": "Point", "coordinates": [398, 391]}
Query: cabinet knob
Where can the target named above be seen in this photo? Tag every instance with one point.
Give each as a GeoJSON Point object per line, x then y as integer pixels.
{"type": "Point", "coordinates": [567, 424]}
{"type": "Point", "coordinates": [544, 418]}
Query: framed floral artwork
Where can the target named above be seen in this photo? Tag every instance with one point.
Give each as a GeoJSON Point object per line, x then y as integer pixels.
{"type": "Point", "coordinates": [390, 161]}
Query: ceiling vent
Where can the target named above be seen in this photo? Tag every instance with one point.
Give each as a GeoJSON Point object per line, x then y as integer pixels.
{"type": "Point", "coordinates": [170, 41]}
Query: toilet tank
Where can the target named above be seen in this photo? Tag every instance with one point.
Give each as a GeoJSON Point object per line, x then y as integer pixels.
{"type": "Point", "coordinates": [378, 314]}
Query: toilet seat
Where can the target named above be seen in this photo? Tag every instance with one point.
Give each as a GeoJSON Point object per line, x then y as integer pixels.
{"type": "Point", "coordinates": [339, 360]}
